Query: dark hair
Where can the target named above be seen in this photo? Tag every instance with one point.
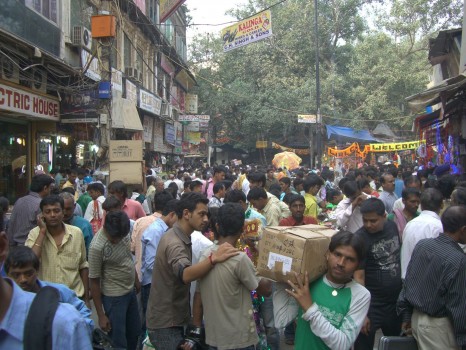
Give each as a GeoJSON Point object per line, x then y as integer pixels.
{"type": "Point", "coordinates": [454, 218]}
{"type": "Point", "coordinates": [346, 238]}
{"type": "Point", "coordinates": [170, 207]}
{"type": "Point", "coordinates": [21, 256]}
{"type": "Point", "coordinates": [311, 181]}
{"type": "Point", "coordinates": [51, 200]}
{"type": "Point", "coordinates": [4, 204]}
{"type": "Point", "coordinates": [407, 192]}
{"type": "Point", "coordinates": [446, 185]}
{"type": "Point", "coordinates": [116, 224]}
{"type": "Point", "coordinates": [296, 198]}
{"type": "Point", "coordinates": [173, 189]}
{"type": "Point", "coordinates": [96, 186]}
{"type": "Point", "coordinates": [411, 180]}
{"type": "Point", "coordinates": [382, 177]}
{"type": "Point", "coordinates": [373, 205]}
{"type": "Point", "coordinates": [235, 196]}
{"type": "Point", "coordinates": [257, 177]}
{"type": "Point", "coordinates": [218, 186]}
{"type": "Point", "coordinates": [38, 182]}
{"type": "Point", "coordinates": [256, 193]}
{"type": "Point", "coordinates": [285, 180]}
{"type": "Point", "coordinates": [230, 219]}
{"type": "Point", "coordinates": [431, 199]}
{"type": "Point", "coordinates": [342, 182]}
{"type": "Point", "coordinates": [333, 192]}
{"type": "Point", "coordinates": [190, 201]}
{"type": "Point", "coordinates": [119, 187]}
{"type": "Point", "coordinates": [287, 197]}
{"type": "Point", "coordinates": [186, 184]}
{"type": "Point", "coordinates": [110, 203]}
{"type": "Point", "coordinates": [371, 174]}
{"type": "Point", "coordinates": [194, 183]}
{"type": "Point", "coordinates": [298, 181]}
{"type": "Point", "coordinates": [459, 195]}
{"type": "Point", "coordinates": [219, 169]}
{"type": "Point", "coordinates": [213, 219]}
{"type": "Point", "coordinates": [161, 199]}
{"type": "Point", "coordinates": [227, 184]}
{"type": "Point", "coordinates": [275, 190]}
{"type": "Point", "coordinates": [69, 190]}
{"type": "Point", "coordinates": [363, 182]}
{"type": "Point", "coordinates": [351, 188]}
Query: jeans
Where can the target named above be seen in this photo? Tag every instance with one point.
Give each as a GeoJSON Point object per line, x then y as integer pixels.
{"type": "Point", "coordinates": [145, 290]}
{"type": "Point", "coordinates": [382, 316]}
{"type": "Point", "coordinates": [250, 347]}
{"type": "Point", "coordinates": [266, 310]}
{"type": "Point", "coordinates": [166, 338]}
{"type": "Point", "coordinates": [123, 315]}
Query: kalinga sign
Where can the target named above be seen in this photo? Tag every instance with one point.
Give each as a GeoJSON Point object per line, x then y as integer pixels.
{"type": "Point", "coordinates": [24, 102]}
{"type": "Point", "coordinates": [391, 147]}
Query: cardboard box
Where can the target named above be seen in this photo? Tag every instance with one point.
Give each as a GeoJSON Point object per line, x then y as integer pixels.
{"type": "Point", "coordinates": [284, 250]}
{"type": "Point", "coordinates": [128, 172]}
{"type": "Point", "coordinates": [125, 151]}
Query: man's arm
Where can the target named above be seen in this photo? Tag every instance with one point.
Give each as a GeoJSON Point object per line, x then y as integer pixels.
{"type": "Point", "coordinates": [404, 308]}
{"type": "Point", "coordinates": [104, 322]}
{"type": "Point", "coordinates": [84, 273]}
{"type": "Point", "coordinates": [456, 304]}
{"type": "Point", "coordinates": [198, 312]}
{"type": "Point", "coordinates": [69, 330]}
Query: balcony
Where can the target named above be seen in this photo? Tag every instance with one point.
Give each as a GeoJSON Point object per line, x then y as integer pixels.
{"type": "Point", "coordinates": [23, 22]}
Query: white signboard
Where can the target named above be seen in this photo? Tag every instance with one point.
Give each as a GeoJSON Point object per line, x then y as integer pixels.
{"type": "Point", "coordinates": [148, 128]}
{"type": "Point", "coordinates": [117, 80]}
{"type": "Point", "coordinates": [192, 126]}
{"type": "Point", "coordinates": [193, 118]}
{"type": "Point", "coordinates": [93, 70]}
{"type": "Point", "coordinates": [149, 102]}
{"type": "Point", "coordinates": [131, 92]}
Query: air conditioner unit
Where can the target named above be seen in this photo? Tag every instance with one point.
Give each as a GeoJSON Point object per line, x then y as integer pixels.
{"type": "Point", "coordinates": [39, 79]}
{"type": "Point", "coordinates": [132, 73]}
{"type": "Point", "coordinates": [167, 111]}
{"type": "Point", "coordinates": [81, 37]}
{"type": "Point", "coordinates": [9, 69]}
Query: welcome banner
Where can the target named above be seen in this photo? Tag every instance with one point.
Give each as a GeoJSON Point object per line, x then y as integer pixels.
{"type": "Point", "coordinates": [393, 147]}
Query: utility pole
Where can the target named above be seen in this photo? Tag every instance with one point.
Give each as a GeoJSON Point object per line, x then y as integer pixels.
{"type": "Point", "coordinates": [318, 121]}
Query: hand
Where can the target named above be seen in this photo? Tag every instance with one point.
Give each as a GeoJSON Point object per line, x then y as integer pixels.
{"type": "Point", "coordinates": [300, 291]}
{"type": "Point", "coordinates": [224, 252]}
{"type": "Point", "coordinates": [88, 303]}
{"type": "Point", "coordinates": [137, 285]}
{"type": "Point", "coordinates": [366, 326]}
{"type": "Point", "coordinates": [104, 323]}
{"type": "Point", "coordinates": [406, 328]}
{"type": "Point", "coordinates": [41, 222]}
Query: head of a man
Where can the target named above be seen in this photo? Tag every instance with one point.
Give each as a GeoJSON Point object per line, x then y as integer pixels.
{"type": "Point", "coordinates": [161, 199]}
{"type": "Point", "coordinates": [219, 173]}
{"type": "Point", "coordinates": [458, 196]}
{"type": "Point", "coordinates": [192, 211]}
{"type": "Point", "coordinates": [365, 186]}
{"type": "Point", "coordinates": [196, 186]}
{"type": "Point", "coordinates": [312, 184]}
{"type": "Point", "coordinates": [432, 200]}
{"type": "Point", "coordinates": [237, 196]}
{"type": "Point", "coordinates": [454, 223]}
{"type": "Point", "coordinates": [73, 175]}
{"type": "Point", "coordinates": [270, 174]}
{"type": "Point", "coordinates": [388, 182]}
{"type": "Point", "coordinates": [169, 212]}
{"type": "Point", "coordinates": [412, 182]}
{"type": "Point", "coordinates": [111, 203]}
{"type": "Point", "coordinates": [116, 226]}
{"type": "Point", "coordinates": [52, 211]}
{"type": "Point", "coordinates": [257, 180]}
{"type": "Point", "coordinates": [118, 189]}
{"type": "Point", "coordinates": [345, 254]}
{"type": "Point", "coordinates": [297, 206]}
{"type": "Point", "coordinates": [373, 215]}
{"type": "Point", "coordinates": [258, 198]}
{"type": "Point", "coordinates": [41, 184]}
{"type": "Point", "coordinates": [219, 190]}
{"type": "Point", "coordinates": [22, 265]}
{"type": "Point", "coordinates": [95, 190]}
{"type": "Point", "coordinates": [230, 220]}
{"type": "Point", "coordinates": [411, 198]}
{"type": "Point", "coordinates": [285, 184]}
{"type": "Point", "coordinates": [68, 206]}
{"type": "Point", "coordinates": [298, 184]}
{"type": "Point", "coordinates": [334, 196]}
{"type": "Point", "coordinates": [159, 185]}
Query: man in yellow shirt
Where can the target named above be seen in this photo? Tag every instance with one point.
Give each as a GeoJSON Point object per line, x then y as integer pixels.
{"type": "Point", "coordinates": [312, 185]}
{"type": "Point", "coordinates": [61, 249]}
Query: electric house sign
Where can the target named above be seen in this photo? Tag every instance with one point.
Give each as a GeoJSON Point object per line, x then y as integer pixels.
{"type": "Point", "coordinates": [28, 103]}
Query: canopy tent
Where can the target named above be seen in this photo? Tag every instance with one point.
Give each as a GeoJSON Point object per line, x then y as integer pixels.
{"type": "Point", "coordinates": [343, 134]}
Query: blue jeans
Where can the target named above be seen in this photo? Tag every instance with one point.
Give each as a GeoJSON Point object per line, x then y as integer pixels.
{"type": "Point", "coordinates": [123, 315]}
{"type": "Point", "coordinates": [145, 290]}
{"type": "Point", "coordinates": [166, 338]}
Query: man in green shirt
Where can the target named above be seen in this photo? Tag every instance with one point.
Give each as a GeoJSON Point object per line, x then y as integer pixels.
{"type": "Point", "coordinates": [312, 185]}
{"type": "Point", "coordinates": [332, 309]}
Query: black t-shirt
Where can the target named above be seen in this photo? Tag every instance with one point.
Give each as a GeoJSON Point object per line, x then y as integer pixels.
{"type": "Point", "coordinates": [382, 264]}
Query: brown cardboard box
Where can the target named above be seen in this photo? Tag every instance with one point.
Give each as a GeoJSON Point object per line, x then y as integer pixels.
{"type": "Point", "coordinates": [284, 250]}
{"type": "Point", "coordinates": [128, 172]}
{"type": "Point", "coordinates": [125, 151]}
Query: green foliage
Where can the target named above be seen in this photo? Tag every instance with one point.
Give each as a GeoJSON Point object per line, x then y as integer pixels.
{"type": "Point", "coordinates": [369, 63]}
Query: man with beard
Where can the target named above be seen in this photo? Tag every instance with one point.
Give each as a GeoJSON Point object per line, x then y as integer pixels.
{"type": "Point", "coordinates": [297, 218]}
{"type": "Point", "coordinates": [168, 310]}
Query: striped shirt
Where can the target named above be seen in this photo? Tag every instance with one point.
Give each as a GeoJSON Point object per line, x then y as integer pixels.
{"type": "Point", "coordinates": [435, 283]}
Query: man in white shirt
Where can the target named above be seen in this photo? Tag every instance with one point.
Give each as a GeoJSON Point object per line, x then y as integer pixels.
{"type": "Point", "coordinates": [426, 225]}
{"type": "Point", "coordinates": [348, 216]}
{"type": "Point", "coordinates": [410, 182]}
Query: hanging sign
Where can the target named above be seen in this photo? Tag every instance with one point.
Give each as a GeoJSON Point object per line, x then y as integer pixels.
{"type": "Point", "coordinates": [393, 147]}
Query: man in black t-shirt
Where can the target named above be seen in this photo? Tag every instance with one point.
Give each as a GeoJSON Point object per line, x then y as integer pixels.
{"type": "Point", "coordinates": [380, 273]}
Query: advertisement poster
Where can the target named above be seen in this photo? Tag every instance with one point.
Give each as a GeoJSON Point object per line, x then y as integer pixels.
{"type": "Point", "coordinates": [247, 31]}
{"type": "Point", "coordinates": [179, 138]}
{"type": "Point", "coordinates": [148, 128]}
{"type": "Point", "coordinates": [170, 134]}
{"type": "Point", "coordinates": [191, 103]}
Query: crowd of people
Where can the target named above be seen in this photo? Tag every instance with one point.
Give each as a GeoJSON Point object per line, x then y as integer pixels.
{"type": "Point", "coordinates": [168, 263]}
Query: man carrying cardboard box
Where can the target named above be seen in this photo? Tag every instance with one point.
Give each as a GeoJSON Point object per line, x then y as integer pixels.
{"type": "Point", "coordinates": [332, 309]}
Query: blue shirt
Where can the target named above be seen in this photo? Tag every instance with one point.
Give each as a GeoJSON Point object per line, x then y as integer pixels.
{"type": "Point", "coordinates": [150, 241]}
{"type": "Point", "coordinates": [69, 330]}
{"type": "Point", "coordinates": [86, 229]}
{"type": "Point", "coordinates": [68, 296]}
{"type": "Point", "coordinates": [399, 184]}
{"type": "Point", "coordinates": [252, 214]}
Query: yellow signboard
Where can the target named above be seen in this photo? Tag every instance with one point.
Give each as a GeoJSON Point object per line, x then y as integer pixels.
{"type": "Point", "coordinates": [247, 31]}
{"type": "Point", "coordinates": [393, 147]}
{"type": "Point", "coordinates": [307, 118]}
{"type": "Point", "coordinates": [261, 144]}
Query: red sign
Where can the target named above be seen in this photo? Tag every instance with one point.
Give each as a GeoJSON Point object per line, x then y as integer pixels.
{"type": "Point", "coordinates": [24, 102]}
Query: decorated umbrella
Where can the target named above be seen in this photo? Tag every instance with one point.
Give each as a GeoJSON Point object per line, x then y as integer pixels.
{"type": "Point", "coordinates": [286, 159]}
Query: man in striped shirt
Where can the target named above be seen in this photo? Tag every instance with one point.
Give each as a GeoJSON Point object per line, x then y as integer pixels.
{"type": "Point", "coordinates": [432, 300]}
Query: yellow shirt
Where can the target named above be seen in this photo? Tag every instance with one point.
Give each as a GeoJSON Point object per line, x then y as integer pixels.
{"type": "Point", "coordinates": [311, 205]}
{"type": "Point", "coordinates": [62, 265]}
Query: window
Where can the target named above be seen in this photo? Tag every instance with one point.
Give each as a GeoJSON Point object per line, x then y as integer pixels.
{"type": "Point", "coordinates": [47, 8]}
{"type": "Point", "coordinates": [168, 30]}
{"type": "Point", "coordinates": [139, 63]}
{"type": "Point", "coordinates": [153, 11]}
{"type": "Point", "coordinates": [127, 51]}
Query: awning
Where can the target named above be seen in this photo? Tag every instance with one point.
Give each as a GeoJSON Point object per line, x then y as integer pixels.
{"type": "Point", "coordinates": [344, 134]}
{"type": "Point", "coordinates": [186, 80]}
{"type": "Point", "coordinates": [125, 115]}
{"type": "Point", "coordinates": [417, 103]}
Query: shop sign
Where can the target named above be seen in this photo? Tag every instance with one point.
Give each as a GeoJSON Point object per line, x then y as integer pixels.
{"type": "Point", "coordinates": [179, 138]}
{"type": "Point", "coordinates": [193, 118]}
{"type": "Point", "coordinates": [117, 80]}
{"type": "Point", "coordinates": [392, 147]}
{"type": "Point", "coordinates": [166, 65]}
{"type": "Point", "coordinates": [92, 64]}
{"type": "Point", "coordinates": [158, 144]}
{"type": "Point", "coordinates": [191, 103]}
{"type": "Point", "coordinates": [131, 92]}
{"type": "Point", "coordinates": [170, 135]}
{"type": "Point", "coordinates": [247, 31]}
{"type": "Point", "coordinates": [148, 128]}
{"type": "Point", "coordinates": [24, 102]}
{"type": "Point", "coordinates": [194, 137]}
{"type": "Point", "coordinates": [307, 118]}
{"type": "Point", "coordinates": [149, 102]}
{"type": "Point", "coordinates": [192, 126]}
